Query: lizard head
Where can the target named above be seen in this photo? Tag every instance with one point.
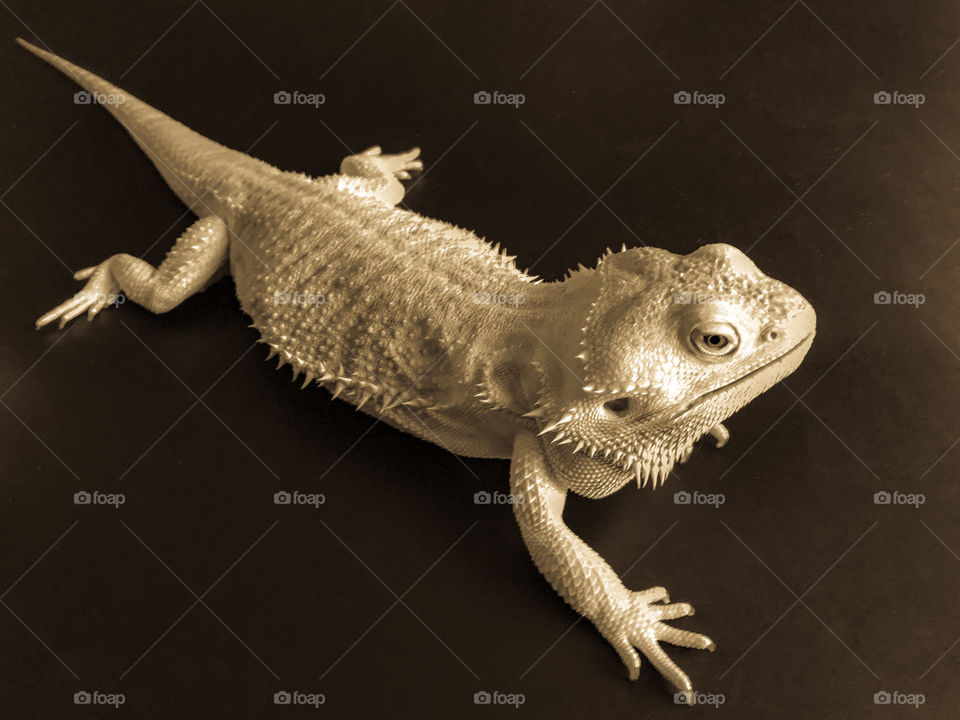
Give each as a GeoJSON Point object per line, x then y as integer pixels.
{"type": "Point", "coordinates": [672, 345]}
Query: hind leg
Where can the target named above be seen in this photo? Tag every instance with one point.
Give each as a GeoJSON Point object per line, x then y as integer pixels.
{"type": "Point", "coordinates": [385, 171]}
{"type": "Point", "coordinates": [192, 262]}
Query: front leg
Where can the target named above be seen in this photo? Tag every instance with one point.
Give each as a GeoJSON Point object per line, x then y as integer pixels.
{"type": "Point", "coordinates": [629, 620]}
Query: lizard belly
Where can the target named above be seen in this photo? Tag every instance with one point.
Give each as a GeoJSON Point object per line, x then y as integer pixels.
{"type": "Point", "coordinates": [471, 432]}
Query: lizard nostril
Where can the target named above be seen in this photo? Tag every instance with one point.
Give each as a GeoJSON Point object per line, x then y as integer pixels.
{"type": "Point", "coordinates": [619, 406]}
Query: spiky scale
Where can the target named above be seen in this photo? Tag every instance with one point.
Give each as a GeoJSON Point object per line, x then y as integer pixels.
{"type": "Point", "coordinates": [362, 399]}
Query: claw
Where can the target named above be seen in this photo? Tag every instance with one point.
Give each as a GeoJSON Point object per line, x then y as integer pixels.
{"type": "Point", "coordinates": [402, 164]}
{"type": "Point", "coordinates": [91, 299]}
{"type": "Point", "coordinates": [654, 594]}
{"type": "Point", "coordinates": [639, 626]}
{"type": "Point", "coordinates": [49, 317]}
{"type": "Point", "coordinates": [675, 610]}
{"type": "Point", "coordinates": [629, 656]}
{"type": "Point", "coordinates": [685, 638]}
{"type": "Point", "coordinates": [720, 433]}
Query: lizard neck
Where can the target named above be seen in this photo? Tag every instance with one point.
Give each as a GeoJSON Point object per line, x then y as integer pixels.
{"type": "Point", "coordinates": [537, 340]}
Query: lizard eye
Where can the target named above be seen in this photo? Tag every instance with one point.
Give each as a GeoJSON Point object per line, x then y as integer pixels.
{"type": "Point", "coordinates": [714, 339]}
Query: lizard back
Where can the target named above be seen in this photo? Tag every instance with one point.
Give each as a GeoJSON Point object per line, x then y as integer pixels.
{"type": "Point", "coordinates": [376, 302]}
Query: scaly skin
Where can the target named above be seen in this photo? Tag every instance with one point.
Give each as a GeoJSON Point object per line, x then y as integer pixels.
{"type": "Point", "coordinates": [586, 384]}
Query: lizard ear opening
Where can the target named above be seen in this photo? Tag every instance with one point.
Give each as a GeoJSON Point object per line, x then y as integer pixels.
{"type": "Point", "coordinates": [618, 407]}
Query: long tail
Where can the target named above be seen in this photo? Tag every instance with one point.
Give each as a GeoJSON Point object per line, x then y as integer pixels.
{"type": "Point", "coordinates": [176, 150]}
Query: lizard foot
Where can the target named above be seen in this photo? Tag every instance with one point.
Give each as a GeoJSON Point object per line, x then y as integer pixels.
{"type": "Point", "coordinates": [100, 291]}
{"type": "Point", "coordinates": [398, 165]}
{"type": "Point", "coordinates": [720, 434]}
{"type": "Point", "coordinates": [636, 624]}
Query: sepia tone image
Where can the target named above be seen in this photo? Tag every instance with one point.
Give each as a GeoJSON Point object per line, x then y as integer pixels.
{"type": "Point", "coordinates": [612, 360]}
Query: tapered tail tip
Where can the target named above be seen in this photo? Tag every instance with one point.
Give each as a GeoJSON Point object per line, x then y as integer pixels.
{"type": "Point", "coordinates": [29, 46]}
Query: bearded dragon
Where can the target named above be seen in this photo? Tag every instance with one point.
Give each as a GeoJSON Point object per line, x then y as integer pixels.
{"type": "Point", "coordinates": [587, 384]}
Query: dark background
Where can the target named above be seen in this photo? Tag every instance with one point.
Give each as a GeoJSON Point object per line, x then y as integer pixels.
{"type": "Point", "coordinates": [201, 598]}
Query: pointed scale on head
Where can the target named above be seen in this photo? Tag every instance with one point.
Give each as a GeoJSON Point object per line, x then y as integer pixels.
{"type": "Point", "coordinates": [671, 346]}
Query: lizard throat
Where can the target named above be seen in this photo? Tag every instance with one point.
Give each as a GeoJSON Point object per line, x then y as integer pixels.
{"type": "Point", "coordinates": [651, 453]}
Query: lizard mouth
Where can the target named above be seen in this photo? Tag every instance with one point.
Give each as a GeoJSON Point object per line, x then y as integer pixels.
{"type": "Point", "coordinates": [647, 459]}
{"type": "Point", "coordinates": [765, 375]}
{"type": "Point", "coordinates": [770, 374]}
